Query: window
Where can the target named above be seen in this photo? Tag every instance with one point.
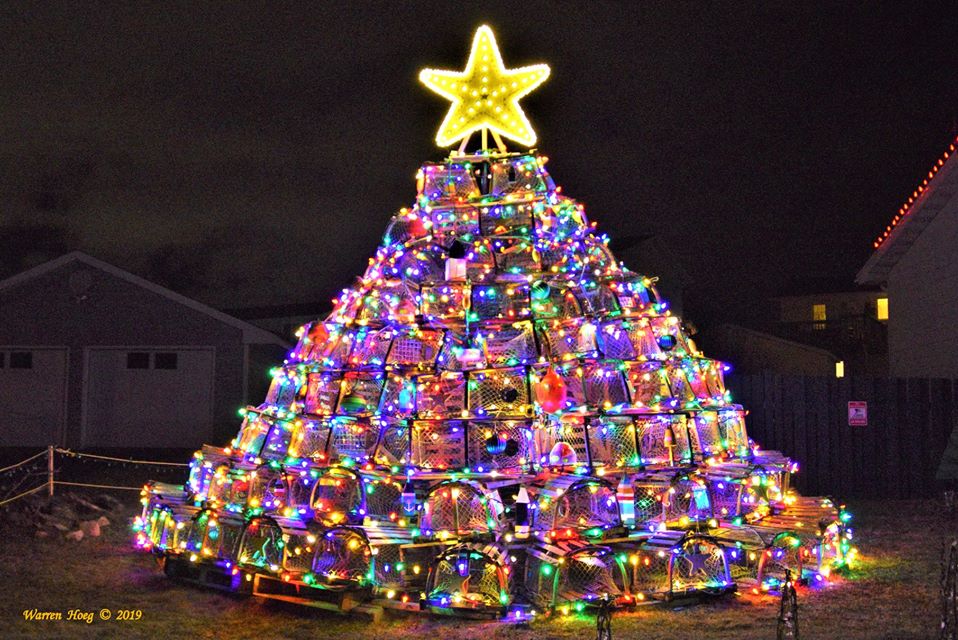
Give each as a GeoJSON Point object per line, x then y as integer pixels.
{"type": "Point", "coordinates": [3, 359]}
{"type": "Point", "coordinates": [840, 369]}
{"type": "Point", "coordinates": [138, 360]}
{"type": "Point", "coordinates": [165, 360]}
{"type": "Point", "coordinates": [819, 315]}
{"type": "Point", "coordinates": [21, 359]}
{"type": "Point", "coordinates": [881, 309]}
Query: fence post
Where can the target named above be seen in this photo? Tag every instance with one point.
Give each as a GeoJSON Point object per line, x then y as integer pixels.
{"type": "Point", "coordinates": [50, 471]}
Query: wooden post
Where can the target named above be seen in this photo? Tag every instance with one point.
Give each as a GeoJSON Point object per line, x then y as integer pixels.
{"type": "Point", "coordinates": [50, 471]}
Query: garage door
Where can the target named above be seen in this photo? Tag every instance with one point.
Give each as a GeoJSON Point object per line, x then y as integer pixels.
{"type": "Point", "coordinates": [32, 395]}
{"type": "Point", "coordinates": [148, 397]}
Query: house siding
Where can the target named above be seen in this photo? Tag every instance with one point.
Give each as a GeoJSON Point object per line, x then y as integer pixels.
{"type": "Point", "coordinates": [47, 311]}
{"type": "Point", "coordinates": [923, 303]}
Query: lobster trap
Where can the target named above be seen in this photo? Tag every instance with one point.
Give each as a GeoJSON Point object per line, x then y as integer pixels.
{"type": "Point", "coordinates": [461, 508]}
{"type": "Point", "coordinates": [469, 576]}
{"type": "Point", "coordinates": [569, 505]}
{"type": "Point", "coordinates": [668, 498]}
{"type": "Point", "coordinates": [667, 564]}
{"type": "Point", "coordinates": [570, 571]}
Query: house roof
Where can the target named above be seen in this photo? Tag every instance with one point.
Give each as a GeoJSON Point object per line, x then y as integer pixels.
{"type": "Point", "coordinates": [251, 334]}
{"type": "Point", "coordinates": [731, 328]}
{"type": "Point", "coordinates": [933, 195]}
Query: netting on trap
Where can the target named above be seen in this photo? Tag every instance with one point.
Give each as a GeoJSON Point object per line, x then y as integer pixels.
{"type": "Point", "coordinates": [394, 301]}
{"type": "Point", "coordinates": [499, 301]}
{"type": "Point", "coordinates": [480, 262]}
{"type": "Point", "coordinates": [731, 426]}
{"type": "Point", "coordinates": [278, 440]}
{"type": "Point", "coordinates": [309, 439]}
{"type": "Point", "coordinates": [614, 342]}
{"type": "Point", "coordinates": [645, 570]}
{"type": "Point", "coordinates": [469, 576]}
{"type": "Point", "coordinates": [605, 388]}
{"type": "Point", "coordinates": [401, 229]}
{"type": "Point", "coordinates": [448, 183]}
{"type": "Point", "coordinates": [699, 565]}
{"type": "Point", "coordinates": [511, 346]}
{"type": "Point", "coordinates": [539, 579]}
{"type": "Point", "coordinates": [352, 439]}
{"type": "Point", "coordinates": [599, 300]}
{"type": "Point", "coordinates": [252, 433]}
{"type": "Point", "coordinates": [727, 497]}
{"type": "Point", "coordinates": [501, 444]}
{"type": "Point", "coordinates": [634, 297]}
{"type": "Point", "coordinates": [418, 266]}
{"type": "Point", "coordinates": [507, 219]}
{"type": "Point", "coordinates": [227, 486]}
{"type": "Point", "coordinates": [558, 304]}
{"type": "Point", "coordinates": [569, 339]}
{"type": "Point", "coordinates": [180, 523]}
{"type": "Point", "coordinates": [669, 326]}
{"type": "Point", "coordinates": [441, 396]}
{"type": "Point", "coordinates": [399, 397]}
{"type": "Point", "coordinates": [653, 445]}
{"type": "Point", "coordinates": [157, 529]}
{"type": "Point", "coordinates": [452, 223]}
{"type": "Point", "coordinates": [661, 501]}
{"type": "Point", "coordinates": [386, 560]}
{"type": "Point", "coordinates": [360, 393]}
{"type": "Point", "coordinates": [261, 544]}
{"type": "Point", "coordinates": [282, 391]}
{"type": "Point", "coordinates": [581, 505]}
{"type": "Point", "coordinates": [680, 391]}
{"type": "Point", "coordinates": [370, 347]}
{"type": "Point", "coordinates": [647, 383]}
{"type": "Point", "coordinates": [445, 301]}
{"type": "Point", "coordinates": [337, 493]}
{"type": "Point", "coordinates": [394, 445]}
{"type": "Point", "coordinates": [331, 351]}
{"type": "Point", "coordinates": [299, 551]}
{"type": "Point", "coordinates": [343, 556]}
{"type": "Point", "coordinates": [704, 430]}
{"type": "Point", "coordinates": [439, 445]}
{"type": "Point", "coordinates": [571, 431]}
{"type": "Point", "coordinates": [415, 348]}
{"type": "Point", "coordinates": [383, 498]}
{"type": "Point", "coordinates": [269, 489]}
{"type": "Point", "coordinates": [499, 393]}
{"type": "Point", "coordinates": [322, 393]}
{"type": "Point", "coordinates": [785, 553]}
{"type": "Point", "coordinates": [587, 573]}
{"type": "Point", "coordinates": [515, 177]}
{"type": "Point", "coordinates": [461, 508]}
{"type": "Point", "coordinates": [612, 442]}
{"type": "Point", "coordinates": [572, 376]}
{"type": "Point", "coordinates": [642, 337]}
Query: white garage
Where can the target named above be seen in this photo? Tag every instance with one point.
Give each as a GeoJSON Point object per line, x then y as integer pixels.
{"type": "Point", "coordinates": [162, 394]}
{"type": "Point", "coordinates": [33, 394]}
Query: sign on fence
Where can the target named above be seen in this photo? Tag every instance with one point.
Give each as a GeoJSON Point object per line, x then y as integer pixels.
{"type": "Point", "coordinates": [857, 413]}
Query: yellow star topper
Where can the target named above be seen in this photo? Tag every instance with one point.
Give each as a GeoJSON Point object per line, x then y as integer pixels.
{"type": "Point", "coordinates": [485, 95]}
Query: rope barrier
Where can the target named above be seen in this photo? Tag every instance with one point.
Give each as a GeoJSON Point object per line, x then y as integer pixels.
{"type": "Point", "coordinates": [23, 462]}
{"type": "Point", "coordinates": [24, 494]}
{"type": "Point", "coordinates": [75, 454]}
{"type": "Point", "coordinates": [95, 486]}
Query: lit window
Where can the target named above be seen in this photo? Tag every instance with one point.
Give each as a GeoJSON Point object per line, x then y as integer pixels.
{"type": "Point", "coordinates": [819, 315]}
{"type": "Point", "coordinates": [881, 308]}
{"type": "Point", "coordinates": [840, 369]}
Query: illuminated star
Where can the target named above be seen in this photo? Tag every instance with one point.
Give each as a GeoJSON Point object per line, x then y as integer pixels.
{"type": "Point", "coordinates": [485, 95]}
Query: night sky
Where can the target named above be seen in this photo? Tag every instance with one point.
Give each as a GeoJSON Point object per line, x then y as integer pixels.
{"type": "Point", "coordinates": [252, 154]}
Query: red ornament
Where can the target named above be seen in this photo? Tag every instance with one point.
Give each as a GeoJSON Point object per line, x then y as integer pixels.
{"type": "Point", "coordinates": [551, 392]}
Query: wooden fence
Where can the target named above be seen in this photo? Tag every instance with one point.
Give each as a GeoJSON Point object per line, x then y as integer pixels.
{"type": "Point", "coordinates": [895, 456]}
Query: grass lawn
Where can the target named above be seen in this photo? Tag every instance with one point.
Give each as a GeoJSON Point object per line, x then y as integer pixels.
{"type": "Point", "coordinates": [892, 594]}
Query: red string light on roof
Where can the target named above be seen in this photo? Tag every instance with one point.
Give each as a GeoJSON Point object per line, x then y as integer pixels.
{"type": "Point", "coordinates": [916, 194]}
